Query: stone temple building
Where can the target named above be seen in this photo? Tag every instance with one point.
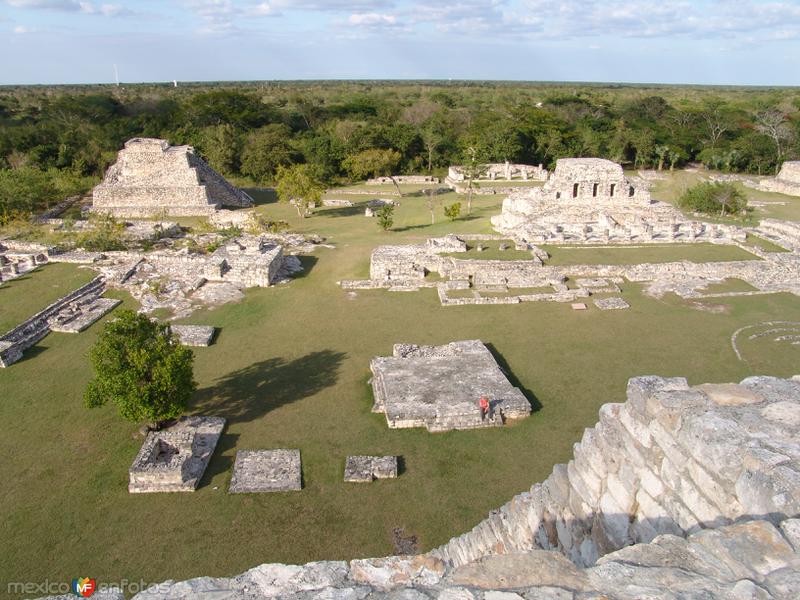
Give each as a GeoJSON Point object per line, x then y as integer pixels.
{"type": "Point", "coordinates": [591, 200]}
{"type": "Point", "coordinates": [151, 177]}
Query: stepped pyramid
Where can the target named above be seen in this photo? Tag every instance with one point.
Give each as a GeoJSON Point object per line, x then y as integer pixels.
{"type": "Point", "coordinates": [151, 177]}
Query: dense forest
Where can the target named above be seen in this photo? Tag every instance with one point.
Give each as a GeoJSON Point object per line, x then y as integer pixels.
{"type": "Point", "coordinates": [57, 141]}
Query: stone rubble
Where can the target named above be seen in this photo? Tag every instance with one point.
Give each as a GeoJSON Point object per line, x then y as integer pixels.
{"type": "Point", "coordinates": [266, 471]}
{"type": "Point", "coordinates": [174, 459]}
{"type": "Point", "coordinates": [611, 304]}
{"type": "Point", "coordinates": [681, 492]}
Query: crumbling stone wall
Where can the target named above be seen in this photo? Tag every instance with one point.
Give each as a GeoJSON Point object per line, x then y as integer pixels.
{"type": "Point", "coordinates": [787, 181]}
{"type": "Point", "coordinates": [152, 177]}
{"type": "Point", "coordinates": [500, 172]}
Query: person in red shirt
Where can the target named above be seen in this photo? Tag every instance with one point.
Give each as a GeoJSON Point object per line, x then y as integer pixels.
{"type": "Point", "coordinates": [484, 404]}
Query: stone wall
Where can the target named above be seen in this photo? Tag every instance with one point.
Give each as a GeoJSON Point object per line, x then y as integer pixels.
{"type": "Point", "coordinates": [681, 492]}
{"type": "Point", "coordinates": [23, 336]}
{"type": "Point", "coordinates": [500, 172]}
{"type": "Point", "coordinates": [787, 181]}
{"type": "Point", "coordinates": [400, 179]}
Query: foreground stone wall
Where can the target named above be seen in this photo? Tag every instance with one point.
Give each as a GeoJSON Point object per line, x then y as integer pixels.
{"type": "Point", "coordinates": [681, 492]}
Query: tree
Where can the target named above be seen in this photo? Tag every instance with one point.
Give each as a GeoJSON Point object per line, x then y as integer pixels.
{"type": "Point", "coordinates": [220, 146]}
{"type": "Point", "coordinates": [375, 162]}
{"type": "Point", "coordinates": [140, 366]}
{"type": "Point", "coordinates": [472, 169]}
{"type": "Point", "coordinates": [432, 199]}
{"type": "Point", "coordinates": [775, 125]}
{"type": "Point", "coordinates": [386, 216]}
{"type": "Point", "coordinates": [711, 197]}
{"type": "Point", "coordinates": [453, 211]}
{"type": "Point", "coordinates": [266, 149]}
{"type": "Point", "coordinates": [299, 185]}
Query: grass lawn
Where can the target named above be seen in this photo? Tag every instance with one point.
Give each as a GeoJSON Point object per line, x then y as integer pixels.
{"type": "Point", "coordinates": [24, 296]}
{"type": "Point", "coordinates": [729, 285]}
{"type": "Point", "coordinates": [622, 255]}
{"type": "Point", "coordinates": [290, 369]}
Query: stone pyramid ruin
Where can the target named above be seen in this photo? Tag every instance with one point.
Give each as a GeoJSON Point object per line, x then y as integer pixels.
{"type": "Point", "coordinates": [152, 178]}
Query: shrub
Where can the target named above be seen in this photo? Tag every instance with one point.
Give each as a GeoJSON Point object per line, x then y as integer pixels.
{"type": "Point", "coordinates": [712, 198]}
{"type": "Point", "coordinates": [386, 217]}
{"type": "Point", "coordinates": [453, 211]}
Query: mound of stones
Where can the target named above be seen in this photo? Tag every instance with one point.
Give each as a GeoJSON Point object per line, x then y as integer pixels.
{"type": "Point", "coordinates": [681, 492]}
{"type": "Point", "coordinates": [440, 387]}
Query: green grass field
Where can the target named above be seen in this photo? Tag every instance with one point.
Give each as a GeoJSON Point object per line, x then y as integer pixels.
{"type": "Point", "coordinates": [581, 255]}
{"type": "Point", "coordinates": [290, 369]}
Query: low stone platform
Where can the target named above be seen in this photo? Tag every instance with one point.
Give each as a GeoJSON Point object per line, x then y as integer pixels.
{"type": "Point", "coordinates": [74, 319]}
{"type": "Point", "coordinates": [174, 459]}
{"type": "Point", "coordinates": [194, 335]}
{"type": "Point", "coordinates": [611, 304]}
{"type": "Point", "coordinates": [365, 469]}
{"type": "Point", "coordinates": [266, 471]}
{"type": "Point", "coordinates": [438, 387]}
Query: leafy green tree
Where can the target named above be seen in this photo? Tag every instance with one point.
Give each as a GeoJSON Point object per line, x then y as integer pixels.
{"type": "Point", "coordinates": [140, 367]}
{"type": "Point", "coordinates": [453, 211]}
{"type": "Point", "coordinates": [266, 149]}
{"type": "Point", "coordinates": [220, 146]}
{"type": "Point", "coordinates": [299, 185]}
{"type": "Point", "coordinates": [375, 162]}
{"type": "Point", "coordinates": [713, 198]}
{"type": "Point", "coordinates": [386, 217]}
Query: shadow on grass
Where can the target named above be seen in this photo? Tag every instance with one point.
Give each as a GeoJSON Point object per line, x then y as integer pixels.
{"type": "Point", "coordinates": [425, 225]}
{"type": "Point", "coordinates": [252, 392]}
{"type": "Point", "coordinates": [262, 196]}
{"type": "Point", "coordinates": [308, 263]}
{"type": "Point", "coordinates": [342, 211]}
{"type": "Point", "coordinates": [535, 404]}
{"type": "Point", "coordinates": [221, 459]}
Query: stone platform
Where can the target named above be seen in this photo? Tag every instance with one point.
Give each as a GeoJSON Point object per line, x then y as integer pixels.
{"type": "Point", "coordinates": [266, 471]}
{"type": "Point", "coordinates": [194, 335]}
{"type": "Point", "coordinates": [438, 387]}
{"type": "Point", "coordinates": [174, 459]}
{"type": "Point", "coordinates": [365, 469]}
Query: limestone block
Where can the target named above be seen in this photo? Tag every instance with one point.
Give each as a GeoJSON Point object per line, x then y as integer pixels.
{"type": "Point", "coordinates": [365, 469]}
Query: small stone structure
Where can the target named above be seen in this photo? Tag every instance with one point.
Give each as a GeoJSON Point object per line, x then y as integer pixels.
{"type": "Point", "coordinates": [174, 459]}
{"type": "Point", "coordinates": [681, 492]}
{"type": "Point", "coordinates": [500, 172]}
{"type": "Point", "coordinates": [194, 335]}
{"type": "Point", "coordinates": [151, 177]}
{"type": "Point", "coordinates": [438, 387]}
{"type": "Point", "coordinates": [401, 179]}
{"type": "Point", "coordinates": [71, 314]}
{"type": "Point", "coordinates": [611, 304]}
{"type": "Point", "coordinates": [787, 181]}
{"type": "Point", "coordinates": [365, 469]}
{"type": "Point", "coordinates": [266, 471]}
{"type": "Point", "coordinates": [18, 258]}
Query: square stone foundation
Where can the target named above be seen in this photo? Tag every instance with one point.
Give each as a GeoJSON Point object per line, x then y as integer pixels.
{"type": "Point", "coordinates": [174, 459]}
{"type": "Point", "coordinates": [365, 469]}
{"type": "Point", "coordinates": [194, 335]}
{"type": "Point", "coordinates": [611, 304]}
{"type": "Point", "coordinates": [266, 471]}
{"type": "Point", "coordinates": [439, 387]}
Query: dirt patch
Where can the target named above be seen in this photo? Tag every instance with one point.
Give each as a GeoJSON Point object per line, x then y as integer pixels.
{"type": "Point", "coordinates": [403, 543]}
{"type": "Point", "coordinates": [717, 309]}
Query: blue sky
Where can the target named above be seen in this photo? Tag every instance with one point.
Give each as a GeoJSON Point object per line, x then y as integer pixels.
{"type": "Point", "coordinates": [664, 41]}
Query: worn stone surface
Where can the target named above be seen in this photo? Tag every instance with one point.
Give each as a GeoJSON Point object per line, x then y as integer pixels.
{"type": "Point", "coordinates": [194, 335]}
{"type": "Point", "coordinates": [787, 181]}
{"type": "Point", "coordinates": [611, 304]}
{"type": "Point", "coordinates": [151, 177]}
{"type": "Point", "coordinates": [364, 469]}
{"type": "Point", "coordinates": [174, 459]}
{"type": "Point", "coordinates": [438, 387]}
{"type": "Point", "coordinates": [266, 471]}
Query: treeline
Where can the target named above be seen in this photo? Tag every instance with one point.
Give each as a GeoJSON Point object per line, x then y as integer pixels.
{"type": "Point", "coordinates": [57, 140]}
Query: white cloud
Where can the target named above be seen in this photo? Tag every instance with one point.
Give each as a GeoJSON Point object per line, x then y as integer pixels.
{"type": "Point", "coordinates": [75, 6]}
{"type": "Point", "coordinates": [21, 29]}
{"type": "Point", "coordinates": [371, 19]}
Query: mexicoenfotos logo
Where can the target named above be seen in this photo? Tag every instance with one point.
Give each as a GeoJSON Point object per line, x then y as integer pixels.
{"type": "Point", "coordinates": [84, 586]}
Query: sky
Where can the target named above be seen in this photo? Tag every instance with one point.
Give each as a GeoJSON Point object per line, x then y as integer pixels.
{"type": "Point", "coordinates": [741, 42]}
